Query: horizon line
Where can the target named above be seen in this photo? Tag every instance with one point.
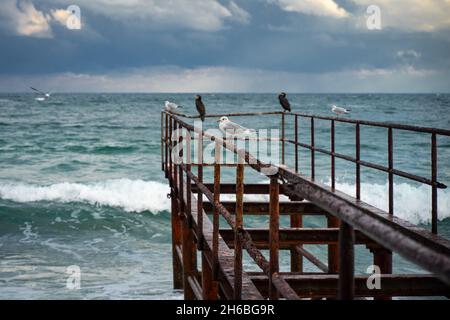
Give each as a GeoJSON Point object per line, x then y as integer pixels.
{"type": "Point", "coordinates": [216, 92]}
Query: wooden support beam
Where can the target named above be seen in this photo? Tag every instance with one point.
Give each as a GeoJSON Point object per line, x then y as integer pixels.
{"type": "Point", "coordinates": [274, 237]}
{"type": "Point", "coordinates": [333, 250]}
{"type": "Point", "coordinates": [412, 242]}
{"type": "Point", "coordinates": [382, 258]}
{"type": "Point", "coordinates": [262, 208]}
{"type": "Point", "coordinates": [294, 236]}
{"type": "Point", "coordinates": [209, 286]}
{"type": "Point", "coordinates": [313, 259]}
{"type": "Point", "coordinates": [225, 271]}
{"type": "Point", "coordinates": [359, 223]}
{"type": "Point", "coordinates": [250, 188]}
{"type": "Point", "coordinates": [215, 240]}
{"type": "Point", "coordinates": [296, 256]}
{"type": "Point", "coordinates": [238, 226]}
{"type": "Point", "coordinates": [195, 288]}
{"type": "Point", "coordinates": [189, 259]}
{"type": "Point", "coordinates": [326, 285]}
{"type": "Point", "coordinates": [176, 241]}
{"type": "Point", "coordinates": [346, 262]}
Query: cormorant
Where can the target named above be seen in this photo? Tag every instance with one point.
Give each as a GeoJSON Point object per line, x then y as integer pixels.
{"type": "Point", "coordinates": [200, 107]}
{"type": "Point", "coordinates": [284, 102]}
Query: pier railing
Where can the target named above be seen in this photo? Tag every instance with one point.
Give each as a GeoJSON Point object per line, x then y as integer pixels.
{"type": "Point", "coordinates": [389, 169]}
{"type": "Point", "coordinates": [350, 221]}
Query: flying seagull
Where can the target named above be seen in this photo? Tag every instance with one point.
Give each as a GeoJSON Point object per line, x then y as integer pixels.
{"type": "Point", "coordinates": [200, 107]}
{"type": "Point", "coordinates": [171, 107]}
{"type": "Point", "coordinates": [232, 128]}
{"type": "Point", "coordinates": [284, 102]}
{"type": "Point", "coordinates": [46, 94]}
{"type": "Point", "coordinates": [339, 110]}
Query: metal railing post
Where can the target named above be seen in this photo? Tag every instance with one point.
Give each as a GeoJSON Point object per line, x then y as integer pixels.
{"type": "Point", "coordinates": [169, 147]}
{"type": "Point", "coordinates": [391, 174]}
{"type": "Point", "coordinates": [238, 226]}
{"type": "Point", "coordinates": [333, 159]}
{"type": "Point", "coordinates": [313, 165]}
{"type": "Point", "coordinates": [199, 193]}
{"type": "Point", "coordinates": [358, 166]}
{"type": "Point", "coordinates": [215, 244]}
{"type": "Point", "coordinates": [274, 234]}
{"type": "Point", "coordinates": [296, 143]}
{"type": "Point", "coordinates": [434, 209]}
{"type": "Point", "coordinates": [283, 136]}
{"type": "Point", "coordinates": [346, 262]}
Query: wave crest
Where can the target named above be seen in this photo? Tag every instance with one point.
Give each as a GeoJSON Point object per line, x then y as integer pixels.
{"type": "Point", "coordinates": [412, 203]}
{"type": "Point", "coordinates": [131, 195]}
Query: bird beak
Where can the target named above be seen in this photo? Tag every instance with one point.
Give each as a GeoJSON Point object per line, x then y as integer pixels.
{"type": "Point", "coordinates": [218, 120]}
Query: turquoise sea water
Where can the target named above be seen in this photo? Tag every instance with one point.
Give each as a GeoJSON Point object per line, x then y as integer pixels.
{"type": "Point", "coordinates": [80, 183]}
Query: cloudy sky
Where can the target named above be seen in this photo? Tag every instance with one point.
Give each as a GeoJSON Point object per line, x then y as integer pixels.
{"type": "Point", "coordinates": [225, 46]}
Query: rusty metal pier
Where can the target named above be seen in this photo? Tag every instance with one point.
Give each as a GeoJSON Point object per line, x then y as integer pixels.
{"type": "Point", "coordinates": [210, 240]}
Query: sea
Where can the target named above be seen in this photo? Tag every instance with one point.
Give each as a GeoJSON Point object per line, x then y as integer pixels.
{"type": "Point", "coordinates": [81, 186]}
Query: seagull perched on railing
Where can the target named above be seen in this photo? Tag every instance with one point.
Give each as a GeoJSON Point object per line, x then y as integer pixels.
{"type": "Point", "coordinates": [171, 107]}
{"type": "Point", "coordinates": [339, 110]}
{"type": "Point", "coordinates": [200, 107]}
{"type": "Point", "coordinates": [232, 128]}
{"type": "Point", "coordinates": [284, 102]}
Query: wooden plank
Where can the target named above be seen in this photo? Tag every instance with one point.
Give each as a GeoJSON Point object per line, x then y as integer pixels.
{"type": "Point", "coordinates": [250, 188]}
{"type": "Point", "coordinates": [225, 261]}
{"type": "Point", "coordinates": [209, 287]}
{"type": "Point", "coordinates": [294, 236]}
{"type": "Point", "coordinates": [262, 208]}
{"type": "Point", "coordinates": [325, 285]}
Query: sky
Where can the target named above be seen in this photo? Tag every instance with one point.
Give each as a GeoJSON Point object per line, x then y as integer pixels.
{"type": "Point", "coordinates": [304, 46]}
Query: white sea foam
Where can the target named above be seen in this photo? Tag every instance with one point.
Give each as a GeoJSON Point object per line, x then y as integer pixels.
{"type": "Point", "coordinates": [131, 195]}
{"type": "Point", "coordinates": [412, 203]}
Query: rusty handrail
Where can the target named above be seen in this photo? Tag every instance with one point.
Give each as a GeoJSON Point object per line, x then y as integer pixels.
{"type": "Point", "coordinates": [371, 165]}
{"type": "Point", "coordinates": [245, 237]}
{"type": "Point", "coordinates": [399, 126]}
{"type": "Point", "coordinates": [243, 154]}
{"type": "Point", "coordinates": [218, 115]}
{"type": "Point", "coordinates": [415, 244]}
{"type": "Point", "coordinates": [407, 127]}
{"type": "Point", "coordinates": [437, 266]}
{"type": "Point", "coordinates": [358, 162]}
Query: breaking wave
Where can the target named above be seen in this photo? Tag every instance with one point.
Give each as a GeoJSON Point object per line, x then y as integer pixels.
{"type": "Point", "coordinates": [412, 203]}
{"type": "Point", "coordinates": [130, 195]}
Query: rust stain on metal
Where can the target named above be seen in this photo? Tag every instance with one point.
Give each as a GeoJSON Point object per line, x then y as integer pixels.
{"type": "Point", "coordinates": [349, 221]}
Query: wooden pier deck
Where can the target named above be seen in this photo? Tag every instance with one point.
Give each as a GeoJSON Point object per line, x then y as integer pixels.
{"type": "Point", "coordinates": [209, 235]}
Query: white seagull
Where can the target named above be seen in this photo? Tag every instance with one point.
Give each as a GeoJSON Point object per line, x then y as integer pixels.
{"type": "Point", "coordinates": [232, 128]}
{"type": "Point", "coordinates": [339, 110]}
{"type": "Point", "coordinates": [45, 94]}
{"type": "Point", "coordinates": [171, 107]}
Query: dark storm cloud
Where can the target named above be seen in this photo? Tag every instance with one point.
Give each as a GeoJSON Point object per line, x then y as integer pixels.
{"type": "Point", "coordinates": [268, 35]}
